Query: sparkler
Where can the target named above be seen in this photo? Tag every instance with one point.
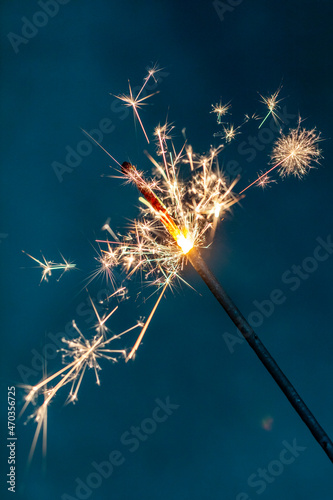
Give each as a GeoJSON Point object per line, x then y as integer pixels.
{"type": "Point", "coordinates": [186, 213]}
{"type": "Point", "coordinates": [179, 217]}
{"type": "Point", "coordinates": [187, 217]}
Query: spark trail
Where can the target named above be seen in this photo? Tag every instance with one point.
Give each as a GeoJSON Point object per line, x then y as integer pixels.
{"type": "Point", "coordinates": [78, 355]}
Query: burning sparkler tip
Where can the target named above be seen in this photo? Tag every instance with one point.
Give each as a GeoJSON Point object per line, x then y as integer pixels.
{"type": "Point", "coordinates": [127, 167]}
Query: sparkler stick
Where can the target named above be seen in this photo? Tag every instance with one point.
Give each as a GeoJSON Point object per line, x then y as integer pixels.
{"type": "Point", "coordinates": [292, 155]}
{"type": "Point", "coordinates": [233, 312]}
{"type": "Point", "coordinates": [265, 357]}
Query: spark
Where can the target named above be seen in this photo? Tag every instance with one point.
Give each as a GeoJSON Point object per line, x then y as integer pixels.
{"type": "Point", "coordinates": [272, 105]}
{"type": "Point", "coordinates": [248, 117]}
{"type": "Point", "coordinates": [192, 205]}
{"type": "Point", "coordinates": [189, 152]}
{"type": "Point", "coordinates": [294, 153]}
{"type": "Point", "coordinates": [99, 145]}
{"type": "Point", "coordinates": [264, 180]}
{"type": "Point", "coordinates": [107, 228]}
{"type": "Point", "coordinates": [144, 329]}
{"type": "Point", "coordinates": [220, 110]}
{"type": "Point", "coordinates": [163, 135]}
{"type": "Point", "coordinates": [150, 74]}
{"type": "Point", "coordinates": [48, 266]}
{"type": "Point", "coordinates": [179, 212]}
{"type": "Point", "coordinates": [135, 102]}
{"type": "Point", "coordinates": [41, 419]}
{"type": "Point", "coordinates": [106, 261]}
{"type": "Point", "coordinates": [78, 354]}
{"type": "Point", "coordinates": [230, 132]}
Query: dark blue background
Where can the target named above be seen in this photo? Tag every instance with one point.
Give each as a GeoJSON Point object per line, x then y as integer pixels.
{"type": "Point", "coordinates": [61, 80]}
